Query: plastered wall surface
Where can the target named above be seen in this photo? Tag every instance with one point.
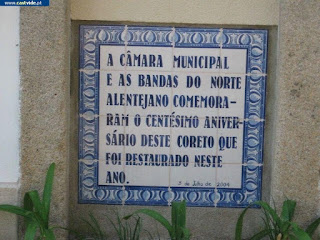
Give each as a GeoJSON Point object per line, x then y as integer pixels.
{"type": "Point", "coordinates": [9, 94]}
{"type": "Point", "coordinates": [245, 12]}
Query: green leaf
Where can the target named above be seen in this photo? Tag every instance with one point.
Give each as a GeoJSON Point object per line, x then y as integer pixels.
{"type": "Point", "coordinates": [299, 233]}
{"type": "Point", "coordinates": [285, 227]}
{"type": "Point", "coordinates": [288, 208]}
{"type": "Point", "coordinates": [262, 234]}
{"type": "Point", "coordinates": [128, 216]}
{"type": "Point", "coordinates": [270, 225]}
{"type": "Point", "coordinates": [32, 200]}
{"type": "Point", "coordinates": [158, 217]}
{"type": "Point", "coordinates": [118, 230]}
{"type": "Point", "coordinates": [96, 226]}
{"type": "Point", "coordinates": [178, 213]}
{"type": "Point", "coordinates": [31, 230]}
{"type": "Point", "coordinates": [266, 208]}
{"type": "Point", "coordinates": [178, 218]}
{"type": "Point", "coordinates": [47, 191]}
{"type": "Point", "coordinates": [27, 203]}
{"type": "Point", "coordinates": [137, 229]}
{"type": "Point", "coordinates": [313, 227]}
{"type": "Point", "coordinates": [270, 211]}
{"type": "Point", "coordinates": [72, 232]}
{"type": "Point", "coordinates": [238, 235]}
{"type": "Point", "coordinates": [49, 235]}
{"type": "Point", "coordinates": [16, 210]}
{"type": "Point", "coordinates": [186, 233]}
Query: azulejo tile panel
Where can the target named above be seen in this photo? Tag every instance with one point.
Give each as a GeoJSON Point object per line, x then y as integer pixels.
{"type": "Point", "coordinates": [169, 114]}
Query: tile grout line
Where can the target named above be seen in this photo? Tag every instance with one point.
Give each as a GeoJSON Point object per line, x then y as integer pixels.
{"type": "Point", "coordinates": [125, 109]}
{"type": "Point", "coordinates": [229, 163]}
{"type": "Point", "coordinates": [200, 118]}
{"type": "Point", "coordinates": [217, 129]}
{"type": "Point", "coordinates": [171, 109]}
{"type": "Point", "coordinates": [177, 71]}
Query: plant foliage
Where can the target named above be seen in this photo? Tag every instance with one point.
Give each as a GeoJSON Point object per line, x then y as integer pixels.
{"type": "Point", "coordinates": [124, 230]}
{"type": "Point", "coordinates": [35, 211]}
{"type": "Point", "coordinates": [177, 228]}
{"type": "Point", "coordinates": [278, 227]}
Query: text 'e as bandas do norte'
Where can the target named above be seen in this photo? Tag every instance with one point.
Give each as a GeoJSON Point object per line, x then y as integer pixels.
{"type": "Point", "coordinates": [170, 80]}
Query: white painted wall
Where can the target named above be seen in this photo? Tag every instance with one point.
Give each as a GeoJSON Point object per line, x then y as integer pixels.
{"type": "Point", "coordinates": [222, 12]}
{"type": "Point", "coordinates": [9, 96]}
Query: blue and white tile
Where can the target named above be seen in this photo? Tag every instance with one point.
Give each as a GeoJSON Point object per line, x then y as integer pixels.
{"type": "Point", "coordinates": [111, 170]}
{"type": "Point", "coordinates": [89, 189]}
{"type": "Point", "coordinates": [149, 36]}
{"type": "Point", "coordinates": [196, 60]}
{"type": "Point", "coordinates": [110, 94]}
{"type": "Point", "coordinates": [88, 136]}
{"type": "Point", "coordinates": [231, 145]}
{"type": "Point", "coordinates": [255, 97]}
{"type": "Point", "coordinates": [148, 96]}
{"type": "Point", "coordinates": [148, 138]}
{"type": "Point", "coordinates": [194, 95]}
{"type": "Point", "coordinates": [112, 138]}
{"type": "Point", "coordinates": [192, 175]}
{"type": "Point", "coordinates": [146, 176]}
{"type": "Point", "coordinates": [148, 196]}
{"type": "Point", "coordinates": [91, 37]}
{"type": "Point", "coordinates": [148, 58]}
{"type": "Point", "coordinates": [253, 142]}
{"type": "Point", "coordinates": [112, 58]}
{"type": "Point", "coordinates": [88, 92]}
{"type": "Point", "coordinates": [194, 197]}
{"type": "Point", "coordinates": [194, 141]}
{"type": "Point", "coordinates": [197, 37]}
{"type": "Point", "coordinates": [193, 83]}
{"type": "Point", "coordinates": [250, 191]}
{"type": "Point", "coordinates": [255, 41]}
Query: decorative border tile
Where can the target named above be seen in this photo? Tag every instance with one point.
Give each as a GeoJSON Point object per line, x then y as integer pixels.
{"type": "Point", "coordinates": [92, 37]}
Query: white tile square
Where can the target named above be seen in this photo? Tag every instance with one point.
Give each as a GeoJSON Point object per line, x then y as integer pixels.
{"type": "Point", "coordinates": [147, 165]}
{"type": "Point", "coordinates": [234, 60]}
{"type": "Point", "coordinates": [149, 59]}
{"type": "Point", "coordinates": [111, 173]}
{"type": "Point", "coordinates": [148, 138]}
{"type": "Point", "coordinates": [230, 143]}
{"type": "Point", "coordinates": [229, 176]}
{"type": "Point", "coordinates": [155, 176]}
{"type": "Point", "coordinates": [111, 56]}
{"type": "Point", "coordinates": [194, 141]}
{"type": "Point", "coordinates": [200, 60]}
{"type": "Point", "coordinates": [192, 176]}
{"type": "Point", "coordinates": [149, 92]}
